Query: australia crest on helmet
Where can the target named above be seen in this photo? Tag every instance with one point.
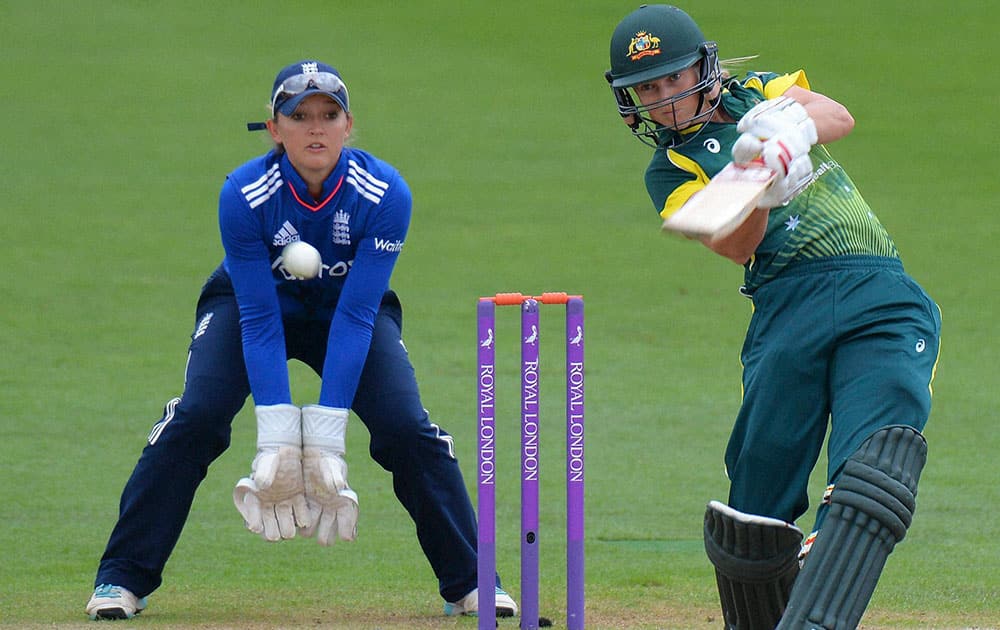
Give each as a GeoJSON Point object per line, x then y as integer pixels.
{"type": "Point", "coordinates": [643, 44]}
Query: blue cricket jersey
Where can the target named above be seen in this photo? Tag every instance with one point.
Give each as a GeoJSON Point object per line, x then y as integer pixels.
{"type": "Point", "coordinates": [358, 225]}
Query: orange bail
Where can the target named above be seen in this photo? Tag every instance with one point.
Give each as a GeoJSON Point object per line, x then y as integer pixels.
{"type": "Point", "coordinates": [514, 299]}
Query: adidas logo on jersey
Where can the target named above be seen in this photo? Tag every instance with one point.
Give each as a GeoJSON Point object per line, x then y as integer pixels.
{"type": "Point", "coordinates": [285, 235]}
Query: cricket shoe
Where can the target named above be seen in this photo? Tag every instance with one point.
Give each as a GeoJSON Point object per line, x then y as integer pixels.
{"type": "Point", "coordinates": [114, 602]}
{"type": "Point", "coordinates": [469, 605]}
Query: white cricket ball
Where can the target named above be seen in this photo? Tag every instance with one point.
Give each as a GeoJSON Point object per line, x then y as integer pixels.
{"type": "Point", "coordinates": [301, 259]}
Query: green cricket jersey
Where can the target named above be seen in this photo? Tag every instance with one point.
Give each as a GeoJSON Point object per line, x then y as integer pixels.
{"type": "Point", "coordinates": [829, 218]}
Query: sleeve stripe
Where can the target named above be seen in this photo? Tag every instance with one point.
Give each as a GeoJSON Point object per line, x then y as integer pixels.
{"type": "Point", "coordinates": [779, 85]}
{"type": "Point", "coordinates": [366, 184]}
{"type": "Point", "coordinates": [685, 191]}
{"type": "Point", "coordinates": [261, 190]}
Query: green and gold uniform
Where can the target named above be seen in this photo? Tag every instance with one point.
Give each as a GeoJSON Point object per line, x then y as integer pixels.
{"type": "Point", "coordinates": [840, 335]}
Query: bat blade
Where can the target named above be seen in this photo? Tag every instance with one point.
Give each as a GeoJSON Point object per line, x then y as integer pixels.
{"type": "Point", "coordinates": [723, 204]}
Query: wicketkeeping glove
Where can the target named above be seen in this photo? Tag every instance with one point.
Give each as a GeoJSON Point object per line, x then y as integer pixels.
{"type": "Point", "coordinates": [333, 505]}
{"type": "Point", "coordinates": [272, 500]}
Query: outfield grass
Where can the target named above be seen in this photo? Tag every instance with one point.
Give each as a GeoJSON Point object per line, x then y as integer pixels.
{"type": "Point", "coordinates": [121, 119]}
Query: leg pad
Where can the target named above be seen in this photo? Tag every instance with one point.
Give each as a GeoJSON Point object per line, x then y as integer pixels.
{"type": "Point", "coordinates": [871, 508]}
{"type": "Point", "coordinates": [756, 561]}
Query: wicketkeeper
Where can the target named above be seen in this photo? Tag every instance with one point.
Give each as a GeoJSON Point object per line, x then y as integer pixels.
{"type": "Point", "coordinates": [842, 342]}
{"type": "Point", "coordinates": [253, 315]}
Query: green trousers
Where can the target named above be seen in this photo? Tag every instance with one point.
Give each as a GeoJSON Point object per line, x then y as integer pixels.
{"type": "Point", "coordinates": [847, 343]}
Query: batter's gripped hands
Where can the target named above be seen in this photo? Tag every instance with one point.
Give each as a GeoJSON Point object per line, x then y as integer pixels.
{"type": "Point", "coordinates": [781, 116]}
{"type": "Point", "coordinates": [786, 187]}
{"type": "Point", "coordinates": [272, 500]}
{"type": "Point", "coordinates": [332, 503]}
{"type": "Point", "coordinates": [778, 131]}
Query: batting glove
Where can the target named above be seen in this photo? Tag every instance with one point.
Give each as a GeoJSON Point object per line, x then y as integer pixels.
{"type": "Point", "coordinates": [777, 131]}
{"type": "Point", "coordinates": [786, 187]}
{"type": "Point", "coordinates": [333, 505]}
{"type": "Point", "coordinates": [272, 500]}
{"type": "Point", "coordinates": [779, 116]}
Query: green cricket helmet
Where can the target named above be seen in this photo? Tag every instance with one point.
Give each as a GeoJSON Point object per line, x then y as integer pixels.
{"type": "Point", "coordinates": [651, 42]}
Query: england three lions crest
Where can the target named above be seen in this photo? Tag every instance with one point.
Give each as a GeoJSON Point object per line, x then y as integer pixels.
{"type": "Point", "coordinates": [341, 228]}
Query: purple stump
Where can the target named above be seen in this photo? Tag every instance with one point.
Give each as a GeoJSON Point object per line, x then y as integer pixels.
{"type": "Point", "coordinates": [486, 471]}
{"type": "Point", "coordinates": [529, 464]}
{"type": "Point", "coordinates": [574, 464]}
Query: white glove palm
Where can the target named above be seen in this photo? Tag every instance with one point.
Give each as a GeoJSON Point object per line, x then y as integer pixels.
{"type": "Point", "coordinates": [272, 500]}
{"type": "Point", "coordinates": [332, 503]}
{"type": "Point", "coordinates": [779, 133]}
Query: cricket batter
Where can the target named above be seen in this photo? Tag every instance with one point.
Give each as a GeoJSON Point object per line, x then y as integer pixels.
{"type": "Point", "coordinates": [339, 317]}
{"type": "Point", "coordinates": [842, 342]}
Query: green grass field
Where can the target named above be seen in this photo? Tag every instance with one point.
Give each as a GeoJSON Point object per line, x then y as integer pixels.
{"type": "Point", "coordinates": [122, 118]}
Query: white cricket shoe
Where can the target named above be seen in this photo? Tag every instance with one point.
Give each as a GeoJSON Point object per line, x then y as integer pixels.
{"type": "Point", "coordinates": [114, 602]}
{"type": "Point", "coordinates": [469, 605]}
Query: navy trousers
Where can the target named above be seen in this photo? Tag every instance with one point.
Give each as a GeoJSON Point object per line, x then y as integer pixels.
{"type": "Point", "coordinates": [195, 429]}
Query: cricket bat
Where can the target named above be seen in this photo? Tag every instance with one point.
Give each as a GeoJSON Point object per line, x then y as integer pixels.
{"type": "Point", "coordinates": [724, 203]}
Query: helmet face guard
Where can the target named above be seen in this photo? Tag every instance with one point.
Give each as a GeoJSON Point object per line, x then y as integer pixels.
{"type": "Point", "coordinates": [648, 130]}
